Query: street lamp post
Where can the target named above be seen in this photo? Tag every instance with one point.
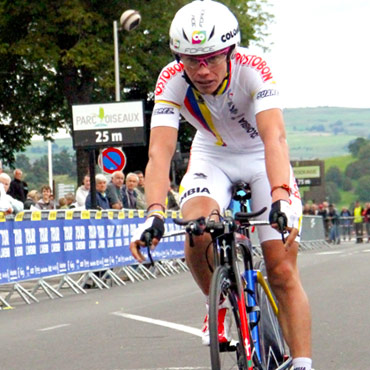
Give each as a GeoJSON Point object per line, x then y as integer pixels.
{"type": "Point", "coordinates": [130, 19]}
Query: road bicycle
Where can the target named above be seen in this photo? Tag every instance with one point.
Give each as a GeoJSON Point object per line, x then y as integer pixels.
{"type": "Point", "coordinates": [257, 341]}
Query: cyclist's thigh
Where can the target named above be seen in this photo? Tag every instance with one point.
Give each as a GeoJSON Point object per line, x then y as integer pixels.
{"type": "Point", "coordinates": [261, 198]}
{"type": "Point", "coordinates": [205, 179]}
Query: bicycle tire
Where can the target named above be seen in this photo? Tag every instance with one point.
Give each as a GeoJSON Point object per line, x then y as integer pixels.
{"type": "Point", "coordinates": [274, 350]}
{"type": "Point", "coordinates": [230, 355]}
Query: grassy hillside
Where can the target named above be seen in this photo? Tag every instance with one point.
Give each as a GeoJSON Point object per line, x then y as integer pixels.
{"type": "Point", "coordinates": [324, 132]}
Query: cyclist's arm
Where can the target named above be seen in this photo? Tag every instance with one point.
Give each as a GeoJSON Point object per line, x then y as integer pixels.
{"type": "Point", "coordinates": [162, 147]}
{"type": "Point", "coordinates": [272, 132]}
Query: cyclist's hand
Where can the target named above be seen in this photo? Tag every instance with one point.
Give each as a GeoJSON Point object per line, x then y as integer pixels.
{"type": "Point", "coordinates": [155, 227]}
{"type": "Point", "coordinates": [283, 218]}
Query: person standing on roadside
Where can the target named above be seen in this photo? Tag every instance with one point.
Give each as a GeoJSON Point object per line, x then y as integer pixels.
{"type": "Point", "coordinates": [18, 188]}
{"type": "Point", "coordinates": [83, 191]}
{"type": "Point", "coordinates": [129, 194]}
{"type": "Point", "coordinates": [46, 202]}
{"type": "Point", "coordinates": [358, 222]}
{"type": "Point", "coordinates": [114, 190]}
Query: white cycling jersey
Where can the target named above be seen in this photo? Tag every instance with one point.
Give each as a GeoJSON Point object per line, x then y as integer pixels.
{"type": "Point", "coordinates": [226, 119]}
{"type": "Point", "coordinates": [227, 147]}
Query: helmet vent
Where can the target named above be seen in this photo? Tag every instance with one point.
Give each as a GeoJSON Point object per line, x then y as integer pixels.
{"type": "Point", "coordinates": [212, 33]}
{"type": "Point", "coordinates": [184, 34]}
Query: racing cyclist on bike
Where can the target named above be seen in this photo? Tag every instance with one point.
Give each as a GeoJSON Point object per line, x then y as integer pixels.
{"type": "Point", "coordinates": [229, 95]}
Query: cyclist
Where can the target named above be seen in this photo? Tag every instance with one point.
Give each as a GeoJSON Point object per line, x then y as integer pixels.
{"type": "Point", "coordinates": [229, 95]}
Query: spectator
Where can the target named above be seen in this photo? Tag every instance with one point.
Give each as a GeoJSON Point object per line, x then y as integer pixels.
{"type": "Point", "coordinates": [345, 221]}
{"type": "Point", "coordinates": [46, 202]}
{"type": "Point", "coordinates": [114, 190]}
{"type": "Point", "coordinates": [306, 209]}
{"type": "Point", "coordinates": [18, 188]}
{"type": "Point", "coordinates": [33, 197]}
{"type": "Point", "coordinates": [102, 201]}
{"type": "Point", "coordinates": [333, 217]}
{"type": "Point", "coordinates": [83, 191]}
{"type": "Point", "coordinates": [129, 195]}
{"type": "Point", "coordinates": [62, 203]}
{"type": "Point", "coordinates": [357, 213]}
{"type": "Point", "coordinates": [5, 205]}
{"type": "Point", "coordinates": [140, 191]}
{"type": "Point", "coordinates": [70, 200]}
{"type": "Point", "coordinates": [16, 205]}
{"type": "Point", "coordinates": [367, 220]}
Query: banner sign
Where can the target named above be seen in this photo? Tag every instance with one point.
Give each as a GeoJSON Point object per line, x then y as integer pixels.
{"type": "Point", "coordinates": [108, 124]}
{"type": "Point", "coordinates": [32, 249]}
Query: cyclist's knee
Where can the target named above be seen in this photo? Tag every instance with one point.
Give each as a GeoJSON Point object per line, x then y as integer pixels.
{"type": "Point", "coordinates": [282, 275]}
{"type": "Point", "coordinates": [198, 206]}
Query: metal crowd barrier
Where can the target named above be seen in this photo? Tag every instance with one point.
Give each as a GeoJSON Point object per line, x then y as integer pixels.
{"type": "Point", "coordinates": [69, 249]}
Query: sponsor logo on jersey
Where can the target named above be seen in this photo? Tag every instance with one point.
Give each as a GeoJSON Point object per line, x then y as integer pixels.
{"type": "Point", "coordinates": [192, 191]}
{"type": "Point", "coordinates": [255, 62]}
{"type": "Point", "coordinates": [166, 75]}
{"type": "Point", "coordinates": [164, 111]}
{"type": "Point", "coordinates": [229, 35]}
{"type": "Point", "coordinates": [250, 130]}
{"type": "Point", "coordinates": [200, 175]}
{"type": "Point", "coordinates": [198, 37]}
{"type": "Point", "coordinates": [266, 93]}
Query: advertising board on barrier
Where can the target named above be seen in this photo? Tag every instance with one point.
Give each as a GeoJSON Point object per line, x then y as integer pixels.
{"type": "Point", "coordinates": [32, 249]}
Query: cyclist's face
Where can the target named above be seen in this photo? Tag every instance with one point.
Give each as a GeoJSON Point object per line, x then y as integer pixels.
{"type": "Point", "coordinates": [206, 77]}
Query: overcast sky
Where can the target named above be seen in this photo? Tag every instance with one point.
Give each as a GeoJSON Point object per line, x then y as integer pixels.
{"type": "Point", "coordinates": [321, 52]}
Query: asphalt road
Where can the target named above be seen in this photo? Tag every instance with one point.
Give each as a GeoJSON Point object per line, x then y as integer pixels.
{"type": "Point", "coordinates": [155, 324]}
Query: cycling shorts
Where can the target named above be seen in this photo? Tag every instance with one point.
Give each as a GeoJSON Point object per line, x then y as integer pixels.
{"type": "Point", "coordinates": [212, 174]}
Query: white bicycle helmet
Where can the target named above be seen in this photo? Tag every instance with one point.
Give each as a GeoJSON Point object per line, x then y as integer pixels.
{"type": "Point", "coordinates": [203, 27]}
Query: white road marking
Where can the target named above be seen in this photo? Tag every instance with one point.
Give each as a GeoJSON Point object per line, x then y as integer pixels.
{"type": "Point", "coordinates": [330, 252]}
{"type": "Point", "coordinates": [167, 324]}
{"type": "Point", "coordinates": [366, 250]}
{"type": "Point", "coordinates": [54, 327]}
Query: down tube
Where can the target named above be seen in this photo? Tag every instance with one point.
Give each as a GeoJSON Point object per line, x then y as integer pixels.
{"type": "Point", "coordinates": [250, 277]}
{"type": "Point", "coordinates": [245, 331]}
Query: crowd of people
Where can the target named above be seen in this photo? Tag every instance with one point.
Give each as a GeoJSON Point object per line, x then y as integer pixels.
{"type": "Point", "coordinates": [117, 191]}
{"type": "Point", "coordinates": [345, 224]}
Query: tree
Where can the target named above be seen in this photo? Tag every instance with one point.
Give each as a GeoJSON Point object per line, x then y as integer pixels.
{"type": "Point", "coordinates": [355, 145]}
{"type": "Point", "coordinates": [363, 188]}
{"type": "Point", "coordinates": [57, 53]}
{"type": "Point", "coordinates": [23, 162]}
{"type": "Point", "coordinates": [62, 163]}
{"type": "Point", "coordinates": [357, 169]}
{"type": "Point", "coordinates": [37, 176]}
{"type": "Point", "coordinates": [332, 192]}
{"type": "Point", "coordinates": [334, 174]}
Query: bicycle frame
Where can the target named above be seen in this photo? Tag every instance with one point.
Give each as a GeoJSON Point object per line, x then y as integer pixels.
{"type": "Point", "coordinates": [224, 253]}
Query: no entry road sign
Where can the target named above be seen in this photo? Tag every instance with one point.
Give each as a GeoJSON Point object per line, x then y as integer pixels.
{"type": "Point", "coordinates": [111, 160]}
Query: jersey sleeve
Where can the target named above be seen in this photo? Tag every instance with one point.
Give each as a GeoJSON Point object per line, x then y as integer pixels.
{"type": "Point", "coordinates": [267, 96]}
{"type": "Point", "coordinates": [165, 113]}
{"type": "Point", "coordinates": [169, 96]}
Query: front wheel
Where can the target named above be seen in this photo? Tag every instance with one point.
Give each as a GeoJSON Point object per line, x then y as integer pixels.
{"type": "Point", "coordinates": [273, 347]}
{"type": "Point", "coordinates": [230, 354]}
